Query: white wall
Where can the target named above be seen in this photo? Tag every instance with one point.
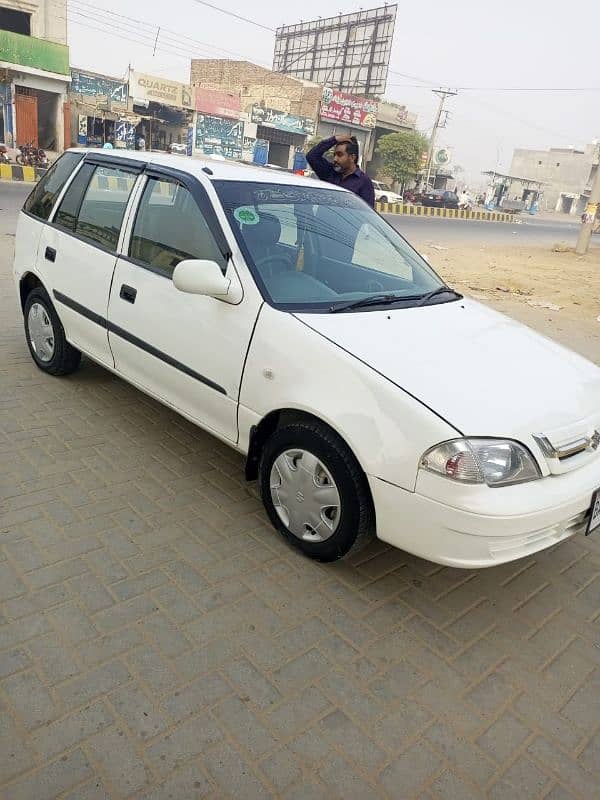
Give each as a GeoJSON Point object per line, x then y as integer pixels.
{"type": "Point", "coordinates": [48, 17]}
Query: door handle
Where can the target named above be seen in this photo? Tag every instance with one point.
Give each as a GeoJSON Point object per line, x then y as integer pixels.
{"type": "Point", "coordinates": [50, 254]}
{"type": "Point", "coordinates": [128, 293]}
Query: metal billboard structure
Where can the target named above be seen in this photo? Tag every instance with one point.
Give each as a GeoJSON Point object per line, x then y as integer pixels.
{"type": "Point", "coordinates": [350, 52]}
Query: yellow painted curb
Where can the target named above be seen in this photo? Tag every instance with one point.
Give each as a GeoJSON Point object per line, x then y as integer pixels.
{"type": "Point", "coordinates": [402, 209]}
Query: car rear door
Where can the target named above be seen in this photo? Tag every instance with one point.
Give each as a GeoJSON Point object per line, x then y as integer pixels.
{"type": "Point", "coordinates": [77, 251]}
{"type": "Point", "coordinates": [187, 350]}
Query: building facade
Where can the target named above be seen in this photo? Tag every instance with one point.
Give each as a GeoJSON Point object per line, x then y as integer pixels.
{"type": "Point", "coordinates": [278, 114]}
{"type": "Point", "coordinates": [565, 173]}
{"type": "Point", "coordinates": [34, 74]}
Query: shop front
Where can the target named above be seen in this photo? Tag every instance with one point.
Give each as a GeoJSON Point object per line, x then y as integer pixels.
{"type": "Point", "coordinates": [164, 109]}
{"type": "Point", "coordinates": [279, 136]}
{"type": "Point", "coordinates": [346, 113]}
{"type": "Point", "coordinates": [35, 77]}
{"type": "Point", "coordinates": [218, 129]}
{"type": "Point", "coordinates": [98, 104]}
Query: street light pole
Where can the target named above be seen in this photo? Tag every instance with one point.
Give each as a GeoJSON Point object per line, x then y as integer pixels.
{"type": "Point", "coordinates": [442, 94]}
{"type": "Point", "coordinates": [589, 217]}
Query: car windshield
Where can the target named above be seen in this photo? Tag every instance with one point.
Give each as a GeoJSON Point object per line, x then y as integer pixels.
{"type": "Point", "coordinates": [313, 248]}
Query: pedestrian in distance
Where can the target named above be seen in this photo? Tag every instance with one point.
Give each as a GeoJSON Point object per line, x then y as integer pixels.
{"type": "Point", "coordinates": [344, 171]}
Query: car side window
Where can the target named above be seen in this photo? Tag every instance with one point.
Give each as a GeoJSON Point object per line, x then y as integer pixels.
{"type": "Point", "coordinates": [103, 207]}
{"type": "Point", "coordinates": [41, 200]}
{"type": "Point", "coordinates": [169, 228]}
{"type": "Point", "coordinates": [66, 216]}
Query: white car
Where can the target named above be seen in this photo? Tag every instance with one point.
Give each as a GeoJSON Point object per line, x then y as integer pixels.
{"type": "Point", "coordinates": [383, 193]}
{"type": "Point", "coordinates": [287, 318]}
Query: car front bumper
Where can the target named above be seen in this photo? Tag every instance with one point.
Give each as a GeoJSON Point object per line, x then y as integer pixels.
{"type": "Point", "coordinates": [483, 527]}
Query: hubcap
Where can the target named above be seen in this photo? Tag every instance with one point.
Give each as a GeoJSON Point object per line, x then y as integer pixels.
{"type": "Point", "coordinates": [305, 495]}
{"type": "Point", "coordinates": [41, 332]}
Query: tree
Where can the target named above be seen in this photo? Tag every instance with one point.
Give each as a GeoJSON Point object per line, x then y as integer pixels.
{"type": "Point", "coordinates": [401, 154]}
{"type": "Point", "coordinates": [310, 143]}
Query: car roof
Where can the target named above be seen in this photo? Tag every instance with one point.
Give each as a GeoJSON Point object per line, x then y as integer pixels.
{"type": "Point", "coordinates": [221, 170]}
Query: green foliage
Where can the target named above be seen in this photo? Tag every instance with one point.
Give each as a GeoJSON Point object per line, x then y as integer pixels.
{"type": "Point", "coordinates": [311, 143]}
{"type": "Point", "coordinates": [401, 154]}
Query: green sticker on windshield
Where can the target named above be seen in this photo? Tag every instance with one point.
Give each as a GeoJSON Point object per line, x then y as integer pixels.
{"type": "Point", "coordinates": [246, 215]}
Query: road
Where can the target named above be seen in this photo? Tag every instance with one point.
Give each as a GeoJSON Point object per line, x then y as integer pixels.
{"type": "Point", "coordinates": [525, 231]}
{"type": "Point", "coordinates": [159, 640]}
{"type": "Point", "coordinates": [420, 230]}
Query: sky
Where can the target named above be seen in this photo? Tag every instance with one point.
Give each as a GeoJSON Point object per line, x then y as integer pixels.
{"type": "Point", "coordinates": [477, 47]}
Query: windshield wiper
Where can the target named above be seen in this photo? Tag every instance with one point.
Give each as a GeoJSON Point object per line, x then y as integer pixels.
{"type": "Point", "coordinates": [440, 290]}
{"type": "Point", "coordinates": [373, 300]}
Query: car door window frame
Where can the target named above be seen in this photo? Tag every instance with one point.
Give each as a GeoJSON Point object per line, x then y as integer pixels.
{"type": "Point", "coordinates": [199, 196]}
{"type": "Point", "coordinates": [135, 168]}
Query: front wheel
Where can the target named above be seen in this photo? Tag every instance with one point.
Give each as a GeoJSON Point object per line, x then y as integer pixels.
{"type": "Point", "coordinates": [21, 160]}
{"type": "Point", "coordinates": [314, 491]}
{"type": "Point", "coordinates": [45, 334]}
{"type": "Point", "coordinates": [383, 199]}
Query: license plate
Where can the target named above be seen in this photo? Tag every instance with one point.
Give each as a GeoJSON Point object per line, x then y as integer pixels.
{"type": "Point", "coordinates": [594, 514]}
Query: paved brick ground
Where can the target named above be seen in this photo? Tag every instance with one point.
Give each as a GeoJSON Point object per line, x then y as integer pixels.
{"type": "Point", "coordinates": [158, 641]}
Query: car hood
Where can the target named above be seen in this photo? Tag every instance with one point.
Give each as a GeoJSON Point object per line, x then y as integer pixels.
{"type": "Point", "coordinates": [484, 373]}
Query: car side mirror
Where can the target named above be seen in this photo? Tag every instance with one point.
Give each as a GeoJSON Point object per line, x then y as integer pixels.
{"type": "Point", "coordinates": [200, 276]}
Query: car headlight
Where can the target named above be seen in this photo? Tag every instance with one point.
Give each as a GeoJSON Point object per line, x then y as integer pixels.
{"type": "Point", "coordinates": [496, 462]}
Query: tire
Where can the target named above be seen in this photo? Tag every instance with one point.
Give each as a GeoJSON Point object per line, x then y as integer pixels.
{"type": "Point", "coordinates": [46, 336]}
{"type": "Point", "coordinates": [21, 161]}
{"type": "Point", "coordinates": [341, 527]}
{"type": "Point", "coordinates": [383, 199]}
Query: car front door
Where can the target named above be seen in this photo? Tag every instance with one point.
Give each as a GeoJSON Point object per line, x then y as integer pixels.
{"type": "Point", "coordinates": [77, 252]}
{"type": "Point", "coordinates": [188, 350]}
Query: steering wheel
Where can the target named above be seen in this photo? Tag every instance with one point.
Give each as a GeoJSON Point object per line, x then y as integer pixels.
{"type": "Point", "coordinates": [268, 265]}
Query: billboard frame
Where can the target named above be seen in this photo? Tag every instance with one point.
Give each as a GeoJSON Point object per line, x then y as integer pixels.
{"type": "Point", "coordinates": [349, 53]}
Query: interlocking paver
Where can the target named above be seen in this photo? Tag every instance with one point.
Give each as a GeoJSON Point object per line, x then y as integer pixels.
{"type": "Point", "coordinates": [157, 639]}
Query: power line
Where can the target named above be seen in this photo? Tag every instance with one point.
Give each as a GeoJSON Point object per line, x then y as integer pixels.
{"type": "Point", "coordinates": [235, 16]}
{"type": "Point", "coordinates": [172, 37]}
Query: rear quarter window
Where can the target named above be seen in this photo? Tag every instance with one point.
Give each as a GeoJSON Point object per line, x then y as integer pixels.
{"type": "Point", "coordinates": [42, 199]}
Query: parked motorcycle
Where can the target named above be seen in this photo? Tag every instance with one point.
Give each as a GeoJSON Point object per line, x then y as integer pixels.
{"type": "Point", "coordinates": [4, 159]}
{"type": "Point", "coordinates": [31, 156]}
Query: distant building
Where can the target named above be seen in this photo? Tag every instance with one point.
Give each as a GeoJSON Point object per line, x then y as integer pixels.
{"type": "Point", "coordinates": [567, 175]}
{"type": "Point", "coordinates": [34, 73]}
{"type": "Point", "coordinates": [279, 113]}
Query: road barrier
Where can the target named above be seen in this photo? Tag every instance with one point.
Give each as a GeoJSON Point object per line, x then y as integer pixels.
{"type": "Point", "coordinates": [15, 172]}
{"type": "Point", "coordinates": [406, 209]}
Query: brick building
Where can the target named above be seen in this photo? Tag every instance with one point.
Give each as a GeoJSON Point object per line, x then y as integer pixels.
{"type": "Point", "coordinates": [279, 113]}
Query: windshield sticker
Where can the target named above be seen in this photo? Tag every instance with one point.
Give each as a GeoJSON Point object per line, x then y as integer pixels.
{"type": "Point", "coordinates": [246, 215]}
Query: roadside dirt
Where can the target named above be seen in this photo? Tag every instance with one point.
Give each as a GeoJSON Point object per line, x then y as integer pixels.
{"type": "Point", "coordinates": [557, 293]}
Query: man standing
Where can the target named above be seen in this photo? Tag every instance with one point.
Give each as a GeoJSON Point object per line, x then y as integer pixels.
{"type": "Point", "coordinates": [344, 171]}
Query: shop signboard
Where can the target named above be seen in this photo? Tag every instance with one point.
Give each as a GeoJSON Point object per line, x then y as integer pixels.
{"type": "Point", "coordinates": [150, 88]}
{"type": "Point", "coordinates": [347, 108]}
{"type": "Point", "coordinates": [82, 130]}
{"type": "Point", "coordinates": [125, 134]}
{"type": "Point", "coordinates": [27, 51]}
{"type": "Point", "coordinates": [217, 103]}
{"type": "Point", "coordinates": [271, 118]}
{"type": "Point", "coordinates": [98, 86]}
{"type": "Point", "coordinates": [219, 136]}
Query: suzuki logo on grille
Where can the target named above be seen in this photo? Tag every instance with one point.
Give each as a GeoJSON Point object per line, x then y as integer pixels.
{"type": "Point", "coordinates": [300, 497]}
{"type": "Point", "coordinates": [595, 440]}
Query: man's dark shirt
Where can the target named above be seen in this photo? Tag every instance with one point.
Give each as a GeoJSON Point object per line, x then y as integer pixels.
{"type": "Point", "coordinates": [357, 182]}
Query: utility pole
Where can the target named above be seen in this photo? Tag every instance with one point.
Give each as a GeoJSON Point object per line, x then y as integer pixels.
{"type": "Point", "coordinates": [589, 217]}
{"type": "Point", "coordinates": [442, 94]}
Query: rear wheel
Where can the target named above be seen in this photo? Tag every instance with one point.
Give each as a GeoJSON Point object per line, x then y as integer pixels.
{"type": "Point", "coordinates": [314, 491]}
{"type": "Point", "coordinates": [46, 336]}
